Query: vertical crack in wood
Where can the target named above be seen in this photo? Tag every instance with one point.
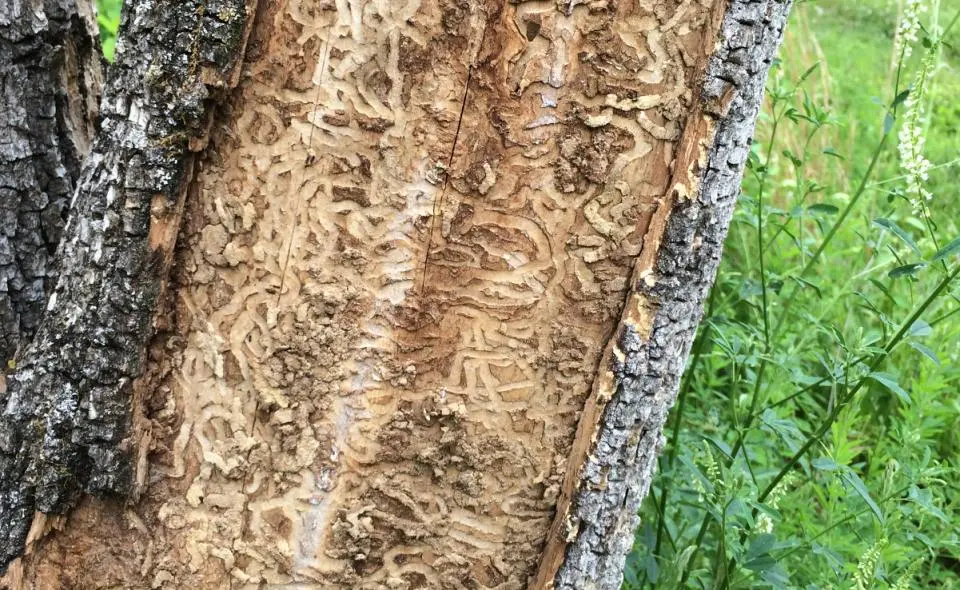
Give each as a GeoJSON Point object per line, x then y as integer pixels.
{"type": "Point", "coordinates": [438, 204]}
{"type": "Point", "coordinates": [310, 158]}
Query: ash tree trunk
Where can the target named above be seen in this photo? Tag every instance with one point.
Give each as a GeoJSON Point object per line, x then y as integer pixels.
{"type": "Point", "coordinates": [378, 294]}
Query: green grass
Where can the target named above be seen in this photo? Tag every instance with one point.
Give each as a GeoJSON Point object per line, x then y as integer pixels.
{"type": "Point", "coordinates": [818, 443]}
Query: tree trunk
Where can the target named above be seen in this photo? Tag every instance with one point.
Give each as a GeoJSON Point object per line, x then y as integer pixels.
{"type": "Point", "coordinates": [49, 89]}
{"type": "Point", "coordinates": [438, 273]}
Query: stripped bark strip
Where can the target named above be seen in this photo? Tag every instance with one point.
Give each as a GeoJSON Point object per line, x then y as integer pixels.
{"type": "Point", "coordinates": [49, 90]}
{"type": "Point", "coordinates": [594, 533]}
{"type": "Point", "coordinates": [66, 422]}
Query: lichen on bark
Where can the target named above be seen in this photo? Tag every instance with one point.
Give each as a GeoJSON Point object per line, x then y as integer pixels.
{"type": "Point", "coordinates": [66, 418]}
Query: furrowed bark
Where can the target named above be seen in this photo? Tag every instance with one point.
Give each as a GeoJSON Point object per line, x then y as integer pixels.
{"type": "Point", "coordinates": [593, 532]}
{"type": "Point", "coordinates": [65, 425]}
{"type": "Point", "coordinates": [49, 90]}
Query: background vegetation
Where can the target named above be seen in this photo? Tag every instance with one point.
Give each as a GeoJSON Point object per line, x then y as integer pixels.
{"type": "Point", "coordinates": [815, 443]}
{"type": "Point", "coordinates": [108, 17]}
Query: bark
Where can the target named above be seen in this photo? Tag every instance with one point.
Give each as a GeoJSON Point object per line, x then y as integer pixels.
{"type": "Point", "coordinates": [594, 530]}
{"type": "Point", "coordinates": [49, 89]}
{"type": "Point", "coordinates": [67, 408]}
{"type": "Point", "coordinates": [437, 277]}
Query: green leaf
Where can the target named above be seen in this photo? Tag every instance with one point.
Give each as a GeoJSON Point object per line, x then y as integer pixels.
{"type": "Point", "coordinates": [924, 498]}
{"type": "Point", "coordinates": [920, 329]}
{"type": "Point", "coordinates": [829, 151]}
{"type": "Point", "coordinates": [760, 564]}
{"type": "Point", "coordinates": [736, 508]}
{"type": "Point", "coordinates": [809, 71]}
{"type": "Point", "coordinates": [720, 446]}
{"type": "Point", "coordinates": [823, 208]}
{"type": "Point", "coordinates": [766, 509]}
{"type": "Point", "coordinates": [948, 251]}
{"type": "Point", "coordinates": [883, 289]}
{"type": "Point", "coordinates": [833, 559]}
{"type": "Point", "coordinates": [907, 270]}
{"type": "Point", "coordinates": [890, 382]}
{"type": "Point", "coordinates": [786, 429]}
{"type": "Point", "coordinates": [696, 472]}
{"type": "Point", "coordinates": [926, 540]}
{"type": "Point", "coordinates": [109, 48]}
{"type": "Point", "coordinates": [805, 283]}
{"type": "Point", "coordinates": [861, 488]}
{"type": "Point", "coordinates": [824, 464]}
{"type": "Point", "coordinates": [898, 231]}
{"type": "Point", "coordinates": [900, 98]}
{"type": "Point", "coordinates": [750, 288]}
{"type": "Point", "coordinates": [793, 159]}
{"type": "Point", "coordinates": [759, 560]}
{"type": "Point", "coordinates": [648, 565]}
{"type": "Point", "coordinates": [777, 577]}
{"type": "Point", "coordinates": [926, 351]}
{"type": "Point", "coordinates": [888, 122]}
{"type": "Point", "coordinates": [760, 545]}
{"type": "Point", "coordinates": [684, 558]}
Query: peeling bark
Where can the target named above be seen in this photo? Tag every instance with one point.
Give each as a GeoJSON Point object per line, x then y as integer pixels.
{"type": "Point", "coordinates": [49, 89]}
{"type": "Point", "coordinates": [65, 426]}
{"type": "Point", "coordinates": [437, 276]}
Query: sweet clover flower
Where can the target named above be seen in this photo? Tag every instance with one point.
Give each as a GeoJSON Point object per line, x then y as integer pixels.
{"type": "Point", "coordinates": [867, 565]}
{"type": "Point", "coordinates": [764, 522]}
{"type": "Point", "coordinates": [909, 27]}
{"type": "Point", "coordinates": [912, 138]}
{"type": "Point", "coordinates": [905, 581]}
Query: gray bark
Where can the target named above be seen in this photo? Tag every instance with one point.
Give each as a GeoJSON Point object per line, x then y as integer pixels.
{"type": "Point", "coordinates": [49, 89]}
{"type": "Point", "coordinates": [66, 411]}
{"type": "Point", "coordinates": [619, 470]}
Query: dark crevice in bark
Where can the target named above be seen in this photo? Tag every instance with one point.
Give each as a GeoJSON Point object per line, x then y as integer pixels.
{"type": "Point", "coordinates": [620, 468]}
{"type": "Point", "coordinates": [66, 412]}
{"type": "Point", "coordinates": [49, 88]}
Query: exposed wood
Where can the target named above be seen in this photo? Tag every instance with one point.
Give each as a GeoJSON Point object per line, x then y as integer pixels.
{"type": "Point", "coordinates": [412, 239]}
{"type": "Point", "coordinates": [49, 90]}
{"type": "Point", "coordinates": [437, 276]}
{"type": "Point", "coordinates": [65, 425]}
